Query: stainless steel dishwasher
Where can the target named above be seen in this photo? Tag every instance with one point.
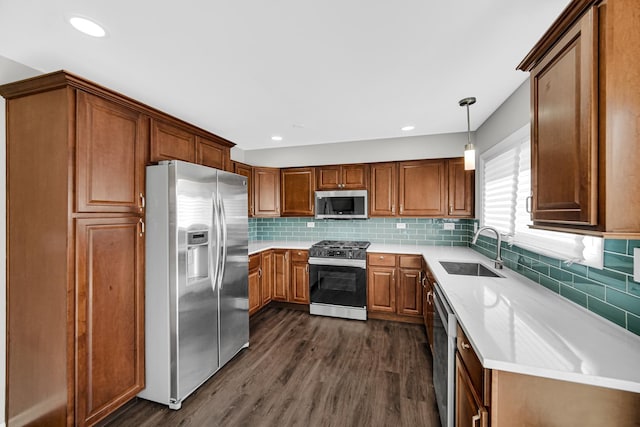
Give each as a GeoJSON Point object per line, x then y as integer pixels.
{"type": "Point", "coordinates": [444, 348]}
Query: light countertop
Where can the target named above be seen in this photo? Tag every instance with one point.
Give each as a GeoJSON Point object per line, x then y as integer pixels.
{"type": "Point", "coordinates": [517, 325]}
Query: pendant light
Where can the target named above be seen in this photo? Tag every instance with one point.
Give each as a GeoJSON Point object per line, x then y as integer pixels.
{"type": "Point", "coordinates": [469, 149]}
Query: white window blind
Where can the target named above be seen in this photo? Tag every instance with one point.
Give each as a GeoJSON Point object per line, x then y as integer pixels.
{"type": "Point", "coordinates": [506, 185]}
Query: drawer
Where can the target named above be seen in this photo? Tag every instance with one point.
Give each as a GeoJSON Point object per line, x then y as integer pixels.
{"type": "Point", "coordinates": [384, 260]}
{"type": "Point", "coordinates": [411, 261]}
{"type": "Point", "coordinates": [299, 255]}
{"type": "Point", "coordinates": [254, 261]}
{"type": "Point", "coordinates": [480, 377]}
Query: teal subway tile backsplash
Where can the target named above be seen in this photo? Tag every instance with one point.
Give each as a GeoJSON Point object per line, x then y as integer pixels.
{"type": "Point", "coordinates": [609, 292]}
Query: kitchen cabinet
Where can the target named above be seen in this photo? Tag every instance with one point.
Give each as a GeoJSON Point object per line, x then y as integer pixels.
{"type": "Point", "coordinates": [428, 307]}
{"type": "Point", "coordinates": [343, 177]}
{"type": "Point", "coordinates": [394, 288]}
{"type": "Point", "coordinates": [299, 277]}
{"type": "Point", "coordinates": [282, 272]}
{"type": "Point", "coordinates": [75, 261]}
{"type": "Point", "coordinates": [469, 411]}
{"type": "Point", "coordinates": [212, 153]}
{"type": "Point", "coordinates": [255, 283]}
{"type": "Point", "coordinates": [172, 140]}
{"type": "Point", "coordinates": [297, 187]}
{"type": "Point", "coordinates": [422, 188]}
{"type": "Point", "coordinates": [585, 122]}
{"type": "Point", "coordinates": [246, 171]}
{"type": "Point", "coordinates": [266, 192]}
{"type": "Point", "coordinates": [383, 189]}
{"type": "Point", "coordinates": [268, 273]}
{"type": "Point", "coordinates": [461, 189]}
{"type": "Point", "coordinates": [110, 315]}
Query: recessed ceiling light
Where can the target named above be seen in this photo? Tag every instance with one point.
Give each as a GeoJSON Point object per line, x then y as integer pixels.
{"type": "Point", "coordinates": [87, 26]}
{"type": "Point", "coordinates": [407, 128]}
{"type": "Point", "coordinates": [276, 138]}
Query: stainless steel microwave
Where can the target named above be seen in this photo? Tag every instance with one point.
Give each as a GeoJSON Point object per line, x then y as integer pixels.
{"type": "Point", "coordinates": [342, 204]}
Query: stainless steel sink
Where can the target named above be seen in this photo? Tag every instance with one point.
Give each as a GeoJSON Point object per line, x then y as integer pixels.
{"type": "Point", "coordinates": [468, 269]}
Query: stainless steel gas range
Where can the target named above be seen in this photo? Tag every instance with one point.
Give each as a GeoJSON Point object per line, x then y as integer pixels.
{"type": "Point", "coordinates": [338, 279]}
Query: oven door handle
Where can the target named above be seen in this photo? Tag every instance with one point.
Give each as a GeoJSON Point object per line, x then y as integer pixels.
{"type": "Point", "coordinates": [337, 262]}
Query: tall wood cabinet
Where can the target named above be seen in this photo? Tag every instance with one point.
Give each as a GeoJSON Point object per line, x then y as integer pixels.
{"type": "Point", "coordinates": [75, 309]}
{"type": "Point", "coordinates": [585, 128]}
{"type": "Point", "coordinates": [247, 172]}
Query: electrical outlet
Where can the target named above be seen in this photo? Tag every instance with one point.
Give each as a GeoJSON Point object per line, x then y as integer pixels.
{"type": "Point", "coordinates": [311, 225]}
{"type": "Point", "coordinates": [449, 226]}
{"type": "Point", "coordinates": [475, 227]}
{"type": "Point", "coordinates": [636, 264]}
{"type": "Point", "coordinates": [401, 225]}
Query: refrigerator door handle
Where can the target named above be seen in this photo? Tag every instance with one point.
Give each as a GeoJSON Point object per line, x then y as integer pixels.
{"type": "Point", "coordinates": [222, 216]}
{"type": "Point", "coordinates": [216, 228]}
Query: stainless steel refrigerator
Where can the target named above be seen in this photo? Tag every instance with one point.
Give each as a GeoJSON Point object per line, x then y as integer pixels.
{"type": "Point", "coordinates": [196, 302]}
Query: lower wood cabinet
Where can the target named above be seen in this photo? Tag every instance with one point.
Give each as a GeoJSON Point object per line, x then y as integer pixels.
{"type": "Point", "coordinates": [469, 410]}
{"type": "Point", "coordinates": [110, 315]}
{"type": "Point", "coordinates": [268, 274]}
{"type": "Point", "coordinates": [428, 307]}
{"type": "Point", "coordinates": [281, 270]}
{"type": "Point", "coordinates": [394, 286]}
{"type": "Point", "coordinates": [255, 283]}
{"type": "Point", "coordinates": [299, 284]}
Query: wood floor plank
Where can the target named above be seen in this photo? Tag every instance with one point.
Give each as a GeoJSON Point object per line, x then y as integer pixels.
{"type": "Point", "coordinates": [304, 370]}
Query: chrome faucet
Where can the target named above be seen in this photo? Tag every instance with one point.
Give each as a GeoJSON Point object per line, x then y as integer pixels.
{"type": "Point", "coordinates": [498, 263]}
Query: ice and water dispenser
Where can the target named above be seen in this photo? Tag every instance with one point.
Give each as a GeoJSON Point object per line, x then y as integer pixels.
{"type": "Point", "coordinates": [197, 255]}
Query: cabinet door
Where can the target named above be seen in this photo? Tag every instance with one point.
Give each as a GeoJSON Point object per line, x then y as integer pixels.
{"type": "Point", "coordinates": [300, 283]}
{"type": "Point", "coordinates": [461, 189]}
{"type": "Point", "coordinates": [423, 188]}
{"type": "Point", "coordinates": [469, 411]}
{"type": "Point", "coordinates": [564, 148]}
{"type": "Point", "coordinates": [246, 171]}
{"type": "Point", "coordinates": [211, 154]}
{"type": "Point", "coordinates": [255, 283]}
{"type": "Point", "coordinates": [281, 275]}
{"type": "Point", "coordinates": [266, 192]}
{"type": "Point", "coordinates": [297, 186]}
{"type": "Point", "coordinates": [329, 177]}
{"type": "Point", "coordinates": [428, 307]}
{"type": "Point", "coordinates": [111, 144]}
{"type": "Point", "coordinates": [170, 142]}
{"type": "Point", "coordinates": [381, 289]}
{"type": "Point", "coordinates": [409, 292]}
{"type": "Point", "coordinates": [110, 315]}
{"type": "Point", "coordinates": [382, 197]}
{"type": "Point", "coordinates": [354, 177]}
{"type": "Point", "coordinates": [268, 274]}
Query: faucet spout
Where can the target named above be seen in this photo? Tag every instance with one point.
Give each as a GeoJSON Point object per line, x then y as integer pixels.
{"type": "Point", "coordinates": [498, 262]}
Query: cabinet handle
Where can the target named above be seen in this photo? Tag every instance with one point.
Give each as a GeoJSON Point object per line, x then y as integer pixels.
{"type": "Point", "coordinates": [393, 209]}
{"type": "Point", "coordinates": [260, 272]}
{"type": "Point", "coordinates": [141, 224]}
{"type": "Point", "coordinates": [420, 277]}
{"type": "Point", "coordinates": [527, 205]}
{"type": "Point", "coordinates": [307, 268]}
{"type": "Point", "coordinates": [381, 256]}
{"type": "Point", "coordinates": [430, 297]}
{"type": "Point", "coordinates": [400, 207]}
{"type": "Point", "coordinates": [465, 346]}
{"type": "Point", "coordinates": [450, 209]}
{"type": "Point", "coordinates": [475, 420]}
{"type": "Point", "coordinates": [142, 202]}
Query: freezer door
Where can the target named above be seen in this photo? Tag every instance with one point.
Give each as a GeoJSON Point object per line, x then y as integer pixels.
{"type": "Point", "coordinates": [195, 344]}
{"type": "Point", "coordinates": [233, 278]}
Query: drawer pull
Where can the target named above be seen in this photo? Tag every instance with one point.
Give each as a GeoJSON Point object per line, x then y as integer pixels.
{"type": "Point", "coordinates": [465, 346]}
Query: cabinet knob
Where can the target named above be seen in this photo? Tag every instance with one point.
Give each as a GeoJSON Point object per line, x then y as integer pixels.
{"type": "Point", "coordinates": [465, 346]}
{"type": "Point", "coordinates": [381, 256]}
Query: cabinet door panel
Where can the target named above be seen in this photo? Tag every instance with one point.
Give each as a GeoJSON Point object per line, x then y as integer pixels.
{"type": "Point", "coordinates": [254, 290]}
{"type": "Point", "coordinates": [565, 134]}
{"type": "Point", "coordinates": [461, 189]}
{"type": "Point", "coordinates": [266, 191]}
{"type": "Point", "coordinates": [410, 293]}
{"type": "Point", "coordinates": [329, 177]}
{"type": "Point", "coordinates": [246, 171]}
{"type": "Point", "coordinates": [110, 156]}
{"type": "Point", "coordinates": [423, 188]}
{"type": "Point", "coordinates": [382, 197]}
{"type": "Point", "coordinates": [299, 283]}
{"type": "Point", "coordinates": [281, 275]}
{"type": "Point", "coordinates": [381, 289]}
{"type": "Point", "coordinates": [169, 142]}
{"type": "Point", "coordinates": [110, 315]}
{"type": "Point", "coordinates": [210, 154]}
{"type": "Point", "coordinates": [354, 177]}
{"type": "Point", "coordinates": [267, 277]}
{"type": "Point", "coordinates": [297, 191]}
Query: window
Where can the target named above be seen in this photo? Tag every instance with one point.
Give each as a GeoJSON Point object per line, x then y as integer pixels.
{"type": "Point", "coordinates": [505, 177]}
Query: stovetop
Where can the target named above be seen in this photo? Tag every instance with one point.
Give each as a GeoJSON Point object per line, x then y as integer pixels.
{"type": "Point", "coordinates": [339, 249]}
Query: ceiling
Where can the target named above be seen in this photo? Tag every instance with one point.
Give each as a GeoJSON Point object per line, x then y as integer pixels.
{"type": "Point", "coordinates": [312, 72]}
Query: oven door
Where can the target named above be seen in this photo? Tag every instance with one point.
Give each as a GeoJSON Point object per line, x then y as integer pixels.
{"type": "Point", "coordinates": [338, 282]}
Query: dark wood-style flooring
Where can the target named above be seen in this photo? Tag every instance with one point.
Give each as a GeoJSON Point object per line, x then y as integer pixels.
{"type": "Point", "coordinates": [303, 370]}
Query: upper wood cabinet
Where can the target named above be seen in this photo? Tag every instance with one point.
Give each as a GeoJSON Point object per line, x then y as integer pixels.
{"type": "Point", "coordinates": [212, 154]}
{"type": "Point", "coordinates": [342, 177]}
{"type": "Point", "coordinates": [585, 129]}
{"type": "Point", "coordinates": [461, 189]}
{"type": "Point", "coordinates": [383, 189]}
{"type": "Point", "coordinates": [111, 144]}
{"type": "Point", "coordinates": [246, 171]}
{"type": "Point", "coordinates": [422, 188]}
{"type": "Point", "coordinates": [297, 186]}
{"type": "Point", "coordinates": [266, 192]}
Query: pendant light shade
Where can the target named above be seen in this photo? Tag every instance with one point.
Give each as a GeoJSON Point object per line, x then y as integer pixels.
{"type": "Point", "coordinates": [469, 149]}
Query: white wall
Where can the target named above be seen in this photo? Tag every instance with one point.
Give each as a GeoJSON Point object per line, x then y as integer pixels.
{"type": "Point", "coordinates": [9, 71]}
{"type": "Point", "coordinates": [376, 150]}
